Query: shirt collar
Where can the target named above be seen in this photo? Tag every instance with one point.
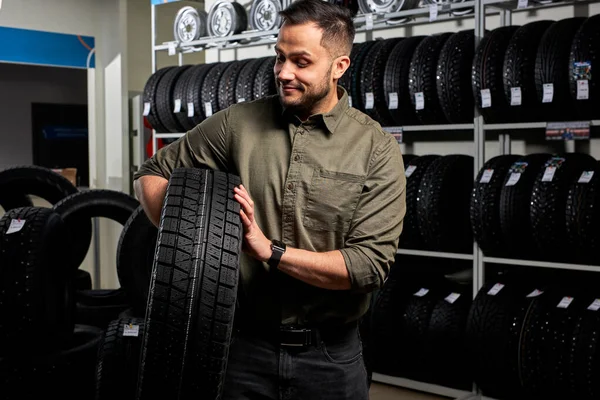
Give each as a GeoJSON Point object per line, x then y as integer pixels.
{"type": "Point", "coordinates": [330, 119]}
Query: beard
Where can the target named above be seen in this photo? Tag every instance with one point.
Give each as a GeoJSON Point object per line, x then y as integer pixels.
{"type": "Point", "coordinates": [309, 97]}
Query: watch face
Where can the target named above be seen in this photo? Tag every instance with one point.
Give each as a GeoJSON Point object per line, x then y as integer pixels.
{"type": "Point", "coordinates": [278, 245]}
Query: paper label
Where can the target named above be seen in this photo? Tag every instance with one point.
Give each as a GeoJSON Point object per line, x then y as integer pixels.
{"type": "Point", "coordinates": [515, 96]}
{"type": "Point", "coordinates": [549, 174]}
{"type": "Point", "coordinates": [241, 99]}
{"type": "Point", "coordinates": [146, 109]}
{"type": "Point", "coordinates": [370, 101]}
{"type": "Point", "coordinates": [350, 101]}
{"type": "Point", "coordinates": [190, 109]}
{"type": "Point", "coordinates": [514, 178]}
{"type": "Point", "coordinates": [131, 330]}
{"type": "Point", "coordinates": [409, 171]}
{"type": "Point", "coordinates": [548, 93]}
{"type": "Point", "coordinates": [583, 89]}
{"type": "Point", "coordinates": [171, 48]}
{"type": "Point", "coordinates": [419, 101]}
{"type": "Point", "coordinates": [586, 177]}
{"type": "Point", "coordinates": [396, 132]}
{"type": "Point", "coordinates": [369, 21]}
{"type": "Point", "coordinates": [208, 109]}
{"type": "Point", "coordinates": [422, 292]}
{"type": "Point", "coordinates": [565, 302]}
{"type": "Point", "coordinates": [522, 4]}
{"type": "Point", "coordinates": [15, 226]}
{"type": "Point", "coordinates": [393, 101]}
{"type": "Point", "coordinates": [433, 12]}
{"type": "Point", "coordinates": [487, 176]}
{"type": "Point", "coordinates": [535, 293]}
{"type": "Point", "coordinates": [495, 289]}
{"type": "Point", "coordinates": [595, 306]}
{"type": "Point", "coordinates": [486, 98]}
{"type": "Point", "coordinates": [452, 297]}
{"type": "Point", "coordinates": [177, 106]}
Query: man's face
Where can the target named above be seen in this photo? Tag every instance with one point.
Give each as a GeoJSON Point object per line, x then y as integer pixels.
{"type": "Point", "coordinates": [303, 67]}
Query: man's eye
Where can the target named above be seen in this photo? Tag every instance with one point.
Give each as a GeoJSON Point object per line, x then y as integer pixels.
{"type": "Point", "coordinates": [302, 65]}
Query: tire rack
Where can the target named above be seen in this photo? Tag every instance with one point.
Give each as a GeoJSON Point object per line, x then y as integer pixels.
{"type": "Point", "coordinates": [368, 24]}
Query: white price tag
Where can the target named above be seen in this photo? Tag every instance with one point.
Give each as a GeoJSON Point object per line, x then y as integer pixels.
{"type": "Point", "coordinates": [495, 289]}
{"type": "Point", "coordinates": [487, 176]}
{"type": "Point", "coordinates": [393, 101]}
{"type": "Point", "coordinates": [586, 177]}
{"type": "Point", "coordinates": [535, 293]}
{"type": "Point", "coordinates": [172, 48]}
{"type": "Point", "coordinates": [208, 109]}
{"type": "Point", "coordinates": [419, 101]}
{"type": "Point", "coordinates": [241, 99]}
{"type": "Point", "coordinates": [409, 171]}
{"type": "Point", "coordinates": [350, 101]}
{"type": "Point", "coordinates": [177, 106]}
{"type": "Point", "coordinates": [131, 330]}
{"type": "Point", "coordinates": [433, 12]}
{"type": "Point", "coordinates": [370, 101]}
{"type": "Point", "coordinates": [548, 93]}
{"type": "Point", "coordinates": [190, 109]}
{"type": "Point", "coordinates": [486, 98]}
{"type": "Point", "coordinates": [515, 96]}
{"type": "Point", "coordinates": [523, 4]}
{"type": "Point", "coordinates": [595, 306]}
{"type": "Point", "coordinates": [549, 174]}
{"type": "Point", "coordinates": [146, 109]}
{"type": "Point", "coordinates": [15, 226]}
{"type": "Point", "coordinates": [583, 89]}
{"type": "Point", "coordinates": [422, 292]}
{"type": "Point", "coordinates": [565, 302]}
{"type": "Point", "coordinates": [452, 297]}
{"type": "Point", "coordinates": [514, 178]}
{"type": "Point", "coordinates": [369, 21]}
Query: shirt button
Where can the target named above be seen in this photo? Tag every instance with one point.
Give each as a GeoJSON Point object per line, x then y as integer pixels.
{"type": "Point", "coordinates": [296, 158]}
{"type": "Point", "coordinates": [290, 186]}
{"type": "Point", "coordinates": [289, 218]}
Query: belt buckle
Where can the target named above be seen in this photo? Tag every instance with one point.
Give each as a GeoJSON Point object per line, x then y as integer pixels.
{"type": "Point", "coordinates": [294, 331]}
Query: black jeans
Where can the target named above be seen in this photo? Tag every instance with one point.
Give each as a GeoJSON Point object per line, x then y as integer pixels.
{"type": "Point", "coordinates": [260, 368]}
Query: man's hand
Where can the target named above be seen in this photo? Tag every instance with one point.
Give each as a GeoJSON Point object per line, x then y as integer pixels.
{"type": "Point", "coordinates": [255, 243]}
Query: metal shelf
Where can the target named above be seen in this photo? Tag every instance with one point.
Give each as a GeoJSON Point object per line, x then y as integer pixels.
{"type": "Point", "coordinates": [532, 5]}
{"type": "Point", "coordinates": [422, 386]}
{"type": "Point", "coordinates": [424, 128]}
{"type": "Point", "coordinates": [541, 264]}
{"type": "Point", "coordinates": [168, 135]}
{"type": "Point", "coordinates": [525, 125]}
{"type": "Point", "coordinates": [439, 254]}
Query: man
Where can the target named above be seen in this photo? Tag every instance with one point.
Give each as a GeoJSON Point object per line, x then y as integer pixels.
{"type": "Point", "coordinates": [326, 185]}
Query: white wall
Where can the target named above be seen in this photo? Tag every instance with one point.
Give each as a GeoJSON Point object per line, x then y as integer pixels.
{"type": "Point", "coordinates": [22, 85]}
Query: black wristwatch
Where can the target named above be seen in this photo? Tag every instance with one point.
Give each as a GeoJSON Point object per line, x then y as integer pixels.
{"type": "Point", "coordinates": [278, 248]}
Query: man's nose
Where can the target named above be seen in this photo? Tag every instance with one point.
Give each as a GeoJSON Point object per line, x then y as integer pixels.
{"type": "Point", "coordinates": [284, 72]}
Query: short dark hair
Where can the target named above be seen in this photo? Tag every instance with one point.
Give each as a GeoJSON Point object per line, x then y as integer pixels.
{"type": "Point", "coordinates": [335, 21]}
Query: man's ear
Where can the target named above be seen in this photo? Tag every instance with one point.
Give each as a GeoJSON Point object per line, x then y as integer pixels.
{"type": "Point", "coordinates": [340, 65]}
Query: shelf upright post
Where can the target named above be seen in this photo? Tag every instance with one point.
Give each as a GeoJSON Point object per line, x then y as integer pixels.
{"type": "Point", "coordinates": [504, 139]}
{"type": "Point", "coordinates": [153, 35]}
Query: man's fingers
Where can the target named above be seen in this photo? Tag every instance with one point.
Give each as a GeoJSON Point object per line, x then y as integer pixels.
{"type": "Point", "coordinates": [247, 207]}
{"type": "Point", "coordinates": [245, 220]}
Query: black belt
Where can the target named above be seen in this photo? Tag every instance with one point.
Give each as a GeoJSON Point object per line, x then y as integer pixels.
{"type": "Point", "coordinates": [298, 336]}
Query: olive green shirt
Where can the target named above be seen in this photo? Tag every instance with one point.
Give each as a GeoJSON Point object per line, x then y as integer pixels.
{"type": "Point", "coordinates": [335, 181]}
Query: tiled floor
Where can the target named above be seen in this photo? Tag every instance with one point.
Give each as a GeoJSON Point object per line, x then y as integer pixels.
{"type": "Point", "coordinates": [380, 391]}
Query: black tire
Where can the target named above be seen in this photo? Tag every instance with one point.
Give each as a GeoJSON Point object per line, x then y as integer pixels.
{"type": "Point", "coordinates": [549, 202]}
{"type": "Point", "coordinates": [515, 199]}
{"type": "Point", "coordinates": [396, 72]}
{"type": "Point", "coordinates": [356, 66]}
{"type": "Point", "coordinates": [82, 280]}
{"type": "Point", "coordinates": [99, 306]}
{"type": "Point", "coordinates": [244, 85]}
{"type": "Point", "coordinates": [422, 78]}
{"type": "Point", "coordinates": [67, 373]}
{"type": "Point", "coordinates": [193, 291]}
{"type": "Point", "coordinates": [583, 218]}
{"type": "Point", "coordinates": [487, 74]}
{"type": "Point", "coordinates": [485, 205]}
{"type": "Point", "coordinates": [585, 359]}
{"type": "Point", "coordinates": [210, 88]}
{"type": "Point", "coordinates": [165, 103]}
{"type": "Point", "coordinates": [454, 77]}
{"type": "Point", "coordinates": [264, 79]}
{"type": "Point", "coordinates": [36, 300]}
{"type": "Point", "coordinates": [411, 237]}
{"type": "Point", "coordinates": [551, 67]}
{"type": "Point", "coordinates": [180, 94]}
{"type": "Point", "coordinates": [443, 209]}
{"type": "Point", "coordinates": [346, 80]}
{"type": "Point", "coordinates": [194, 93]}
{"type": "Point", "coordinates": [151, 97]}
{"type": "Point", "coordinates": [519, 70]}
{"type": "Point", "coordinates": [586, 48]}
{"type": "Point", "coordinates": [77, 210]}
{"type": "Point", "coordinates": [135, 256]}
{"type": "Point", "coordinates": [227, 84]}
{"type": "Point", "coordinates": [118, 360]}
{"type": "Point", "coordinates": [18, 182]}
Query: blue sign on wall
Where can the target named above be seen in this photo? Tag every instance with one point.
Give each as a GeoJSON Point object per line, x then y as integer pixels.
{"type": "Point", "coordinates": [45, 48]}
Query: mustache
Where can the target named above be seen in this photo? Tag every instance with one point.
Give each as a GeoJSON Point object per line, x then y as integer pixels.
{"type": "Point", "coordinates": [288, 85]}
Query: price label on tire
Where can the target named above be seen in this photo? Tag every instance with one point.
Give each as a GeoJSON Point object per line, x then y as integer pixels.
{"type": "Point", "coordinates": [409, 171]}
{"type": "Point", "coordinates": [452, 297]}
{"type": "Point", "coordinates": [15, 226]}
{"type": "Point", "coordinates": [393, 101]}
{"type": "Point", "coordinates": [422, 292]}
{"type": "Point", "coordinates": [595, 306]}
{"type": "Point", "coordinates": [586, 177]}
{"type": "Point", "coordinates": [487, 176]}
{"type": "Point", "coordinates": [495, 289]}
{"type": "Point", "coordinates": [177, 106]}
{"type": "Point", "coordinates": [514, 178]}
{"type": "Point", "coordinates": [548, 93]}
{"type": "Point", "coordinates": [190, 108]}
{"type": "Point", "coordinates": [146, 109]}
{"type": "Point", "coordinates": [549, 174]}
{"type": "Point", "coordinates": [486, 98]}
{"type": "Point", "coordinates": [433, 12]}
{"type": "Point", "coordinates": [565, 302]}
{"type": "Point", "coordinates": [515, 96]}
{"type": "Point", "coordinates": [370, 101]}
{"type": "Point", "coordinates": [419, 101]}
{"type": "Point", "coordinates": [131, 330]}
{"type": "Point", "coordinates": [583, 89]}
{"type": "Point", "coordinates": [208, 111]}
{"type": "Point", "coordinates": [535, 293]}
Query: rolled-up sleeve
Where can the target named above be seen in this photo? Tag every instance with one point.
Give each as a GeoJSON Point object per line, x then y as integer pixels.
{"type": "Point", "coordinates": [372, 242]}
{"type": "Point", "coordinates": [205, 146]}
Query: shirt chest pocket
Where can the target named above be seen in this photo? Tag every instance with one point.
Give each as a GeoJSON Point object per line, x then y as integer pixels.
{"type": "Point", "coordinates": [332, 198]}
